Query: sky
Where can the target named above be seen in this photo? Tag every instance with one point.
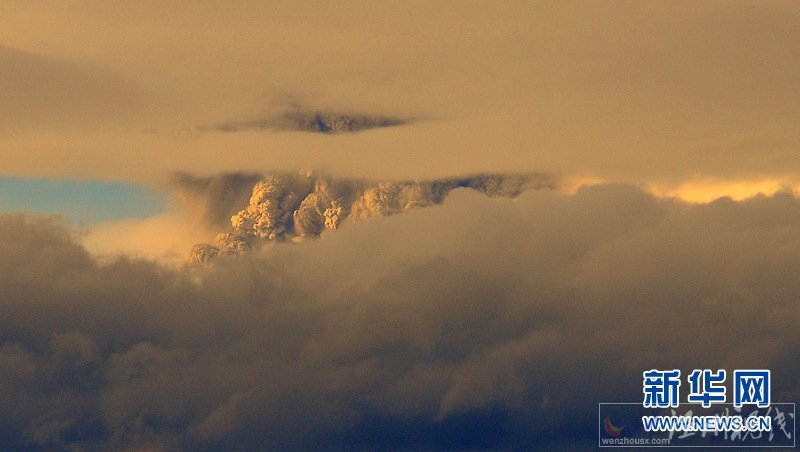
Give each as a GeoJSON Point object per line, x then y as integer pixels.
{"type": "Point", "coordinates": [387, 225]}
{"type": "Point", "coordinates": [87, 202]}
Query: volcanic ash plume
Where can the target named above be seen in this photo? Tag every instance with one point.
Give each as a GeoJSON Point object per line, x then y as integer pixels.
{"type": "Point", "coordinates": [295, 206]}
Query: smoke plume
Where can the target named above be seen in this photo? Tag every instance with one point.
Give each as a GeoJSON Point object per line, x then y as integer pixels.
{"type": "Point", "coordinates": [296, 206]}
{"type": "Point", "coordinates": [215, 198]}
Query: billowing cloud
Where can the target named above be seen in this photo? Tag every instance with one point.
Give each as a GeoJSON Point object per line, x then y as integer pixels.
{"type": "Point", "coordinates": [294, 206]}
{"type": "Point", "coordinates": [482, 323]}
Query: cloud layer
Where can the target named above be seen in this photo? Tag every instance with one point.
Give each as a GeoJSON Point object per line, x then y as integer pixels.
{"type": "Point", "coordinates": [481, 323]}
{"type": "Point", "coordinates": [45, 93]}
{"type": "Point", "coordinates": [640, 92]}
{"type": "Point", "coordinates": [310, 121]}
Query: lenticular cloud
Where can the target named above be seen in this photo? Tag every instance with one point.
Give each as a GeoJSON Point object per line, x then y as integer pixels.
{"type": "Point", "coordinates": [291, 207]}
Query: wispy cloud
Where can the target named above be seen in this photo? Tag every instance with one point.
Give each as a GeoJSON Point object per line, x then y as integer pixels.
{"type": "Point", "coordinates": [310, 121]}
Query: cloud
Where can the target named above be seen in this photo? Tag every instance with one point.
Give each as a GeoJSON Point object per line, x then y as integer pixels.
{"type": "Point", "coordinates": [296, 206]}
{"type": "Point", "coordinates": [639, 94]}
{"type": "Point", "coordinates": [329, 123]}
{"type": "Point", "coordinates": [215, 198]}
{"type": "Point", "coordinates": [165, 237]}
{"type": "Point", "coordinates": [46, 93]}
{"type": "Point", "coordinates": [484, 322]}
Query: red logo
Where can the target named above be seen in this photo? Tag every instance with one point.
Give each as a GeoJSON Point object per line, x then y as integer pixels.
{"type": "Point", "coordinates": [612, 430]}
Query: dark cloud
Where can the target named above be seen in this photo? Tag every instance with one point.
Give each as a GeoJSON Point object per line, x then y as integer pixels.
{"type": "Point", "coordinates": [484, 323]}
{"type": "Point", "coordinates": [310, 121]}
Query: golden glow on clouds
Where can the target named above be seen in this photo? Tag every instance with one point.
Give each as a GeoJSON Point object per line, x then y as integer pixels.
{"type": "Point", "coordinates": [166, 238]}
{"type": "Point", "coordinates": [707, 190]}
{"type": "Point", "coordinates": [696, 190]}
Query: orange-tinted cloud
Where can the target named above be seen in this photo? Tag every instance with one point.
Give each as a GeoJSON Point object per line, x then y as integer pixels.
{"type": "Point", "coordinates": [634, 92]}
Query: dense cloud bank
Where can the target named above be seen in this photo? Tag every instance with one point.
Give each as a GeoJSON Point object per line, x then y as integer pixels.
{"type": "Point", "coordinates": [292, 206]}
{"type": "Point", "coordinates": [481, 323]}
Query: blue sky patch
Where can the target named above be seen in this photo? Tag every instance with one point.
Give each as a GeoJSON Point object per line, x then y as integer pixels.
{"type": "Point", "coordinates": [80, 201]}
